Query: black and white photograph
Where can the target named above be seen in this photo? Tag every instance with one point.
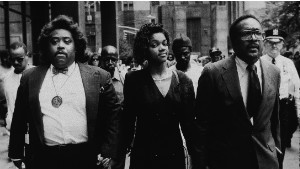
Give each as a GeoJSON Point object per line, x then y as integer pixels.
{"type": "Point", "coordinates": [149, 84]}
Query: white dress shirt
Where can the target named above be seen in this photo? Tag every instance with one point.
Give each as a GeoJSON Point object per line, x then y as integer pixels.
{"type": "Point", "coordinates": [194, 73]}
{"type": "Point", "coordinates": [66, 124]}
{"type": "Point", "coordinates": [290, 82]}
{"type": "Point", "coordinates": [243, 74]}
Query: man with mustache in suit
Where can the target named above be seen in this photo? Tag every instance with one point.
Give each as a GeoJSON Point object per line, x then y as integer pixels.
{"type": "Point", "coordinates": [237, 105]}
{"type": "Point", "coordinates": [71, 109]}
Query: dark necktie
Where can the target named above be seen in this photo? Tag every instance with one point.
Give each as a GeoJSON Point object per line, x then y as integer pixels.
{"type": "Point", "coordinates": [56, 70]}
{"type": "Point", "coordinates": [273, 61]}
{"type": "Point", "coordinates": [254, 91]}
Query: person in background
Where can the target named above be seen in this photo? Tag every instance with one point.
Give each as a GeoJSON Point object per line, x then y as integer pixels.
{"type": "Point", "coordinates": [296, 56]}
{"type": "Point", "coordinates": [109, 61]}
{"type": "Point", "coordinates": [230, 52]}
{"type": "Point", "coordinates": [289, 86]}
{"type": "Point", "coordinates": [288, 54]}
{"type": "Point", "coordinates": [182, 48]}
{"type": "Point", "coordinates": [215, 54]}
{"type": "Point", "coordinates": [237, 105]}
{"type": "Point", "coordinates": [18, 56]}
{"type": "Point", "coordinates": [5, 67]}
{"type": "Point", "coordinates": [157, 101]}
{"type": "Point", "coordinates": [94, 59]}
{"type": "Point", "coordinates": [132, 65]}
{"type": "Point", "coordinates": [171, 60]}
{"type": "Point", "coordinates": [70, 110]}
{"type": "Point", "coordinates": [205, 60]}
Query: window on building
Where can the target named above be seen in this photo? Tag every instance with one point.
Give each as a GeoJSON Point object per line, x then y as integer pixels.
{"type": "Point", "coordinates": [127, 5]}
{"type": "Point", "coordinates": [170, 3]}
{"type": "Point", "coordinates": [15, 23]}
{"type": "Point", "coordinates": [184, 2]}
{"type": "Point", "coordinates": [221, 3]}
{"type": "Point", "coordinates": [198, 2]}
{"type": "Point", "coordinates": [154, 3]}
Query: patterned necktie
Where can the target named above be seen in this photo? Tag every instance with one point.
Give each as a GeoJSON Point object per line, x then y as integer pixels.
{"type": "Point", "coordinates": [55, 71]}
{"type": "Point", "coordinates": [254, 91]}
{"type": "Point", "coordinates": [273, 61]}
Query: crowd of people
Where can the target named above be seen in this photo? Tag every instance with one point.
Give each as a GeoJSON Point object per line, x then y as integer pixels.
{"type": "Point", "coordinates": [78, 109]}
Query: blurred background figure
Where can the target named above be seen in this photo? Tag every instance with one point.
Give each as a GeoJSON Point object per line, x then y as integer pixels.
{"type": "Point", "coordinates": [204, 60]}
{"type": "Point", "coordinates": [18, 56]}
{"type": "Point", "coordinates": [296, 56]}
{"type": "Point", "coordinates": [230, 52]}
{"type": "Point", "coordinates": [215, 54]}
{"type": "Point", "coordinates": [171, 60]}
{"type": "Point", "coordinates": [289, 87]}
{"type": "Point", "coordinates": [182, 48]}
{"type": "Point", "coordinates": [110, 62]}
{"type": "Point", "coordinates": [132, 65]}
{"type": "Point", "coordinates": [87, 56]}
{"type": "Point", "coordinates": [94, 59]}
{"type": "Point", "coordinates": [5, 67]}
{"type": "Point", "coordinates": [288, 54]}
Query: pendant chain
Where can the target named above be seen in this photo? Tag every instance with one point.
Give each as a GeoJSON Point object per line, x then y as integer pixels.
{"type": "Point", "coordinates": [63, 83]}
{"type": "Point", "coordinates": [163, 78]}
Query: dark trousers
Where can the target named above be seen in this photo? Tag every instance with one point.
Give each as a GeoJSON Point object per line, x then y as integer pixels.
{"type": "Point", "coordinates": [119, 163]}
{"type": "Point", "coordinates": [71, 156]}
{"type": "Point", "coordinates": [288, 125]}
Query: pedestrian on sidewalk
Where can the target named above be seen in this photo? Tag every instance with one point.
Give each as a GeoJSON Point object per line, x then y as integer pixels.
{"type": "Point", "coordinates": [157, 103]}
{"type": "Point", "coordinates": [237, 105]}
{"type": "Point", "coordinates": [70, 108]}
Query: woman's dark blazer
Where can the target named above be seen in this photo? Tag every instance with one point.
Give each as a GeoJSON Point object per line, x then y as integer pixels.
{"type": "Point", "coordinates": [151, 122]}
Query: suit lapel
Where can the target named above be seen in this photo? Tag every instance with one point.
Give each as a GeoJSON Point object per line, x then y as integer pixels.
{"type": "Point", "coordinates": [91, 84]}
{"type": "Point", "coordinates": [34, 87]}
{"type": "Point", "coordinates": [231, 79]}
{"type": "Point", "coordinates": [267, 86]}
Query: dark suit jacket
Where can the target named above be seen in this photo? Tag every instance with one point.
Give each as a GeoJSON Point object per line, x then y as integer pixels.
{"type": "Point", "coordinates": [228, 140]}
{"type": "Point", "coordinates": [102, 110]}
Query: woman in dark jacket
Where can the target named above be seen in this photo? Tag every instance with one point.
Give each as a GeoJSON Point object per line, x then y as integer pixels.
{"type": "Point", "coordinates": [157, 103]}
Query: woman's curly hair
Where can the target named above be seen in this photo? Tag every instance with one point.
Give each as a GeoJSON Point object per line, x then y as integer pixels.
{"type": "Point", "coordinates": [67, 23]}
{"type": "Point", "coordinates": [142, 40]}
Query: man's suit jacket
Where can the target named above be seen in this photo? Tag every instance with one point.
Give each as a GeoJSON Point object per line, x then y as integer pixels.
{"type": "Point", "coordinates": [102, 110]}
{"type": "Point", "coordinates": [227, 138]}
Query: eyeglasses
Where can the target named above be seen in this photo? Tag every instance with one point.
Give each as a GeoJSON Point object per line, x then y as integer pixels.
{"type": "Point", "coordinates": [18, 59]}
{"type": "Point", "coordinates": [95, 59]}
{"type": "Point", "coordinates": [110, 59]}
{"type": "Point", "coordinates": [247, 35]}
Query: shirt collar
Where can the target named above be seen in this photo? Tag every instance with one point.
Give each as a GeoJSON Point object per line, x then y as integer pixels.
{"type": "Point", "coordinates": [269, 58]}
{"type": "Point", "coordinates": [71, 68]}
{"type": "Point", "coordinates": [116, 75]}
{"type": "Point", "coordinates": [243, 65]}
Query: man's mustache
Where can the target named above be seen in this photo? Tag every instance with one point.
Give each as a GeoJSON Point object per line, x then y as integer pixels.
{"type": "Point", "coordinates": [253, 46]}
{"type": "Point", "coordinates": [60, 52]}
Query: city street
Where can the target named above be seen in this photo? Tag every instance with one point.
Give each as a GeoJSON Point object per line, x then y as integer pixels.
{"type": "Point", "coordinates": [291, 160]}
{"type": "Point", "coordinates": [4, 161]}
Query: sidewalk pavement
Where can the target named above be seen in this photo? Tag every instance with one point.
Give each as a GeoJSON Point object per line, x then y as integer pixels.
{"type": "Point", "coordinates": [5, 163]}
{"type": "Point", "coordinates": [291, 159]}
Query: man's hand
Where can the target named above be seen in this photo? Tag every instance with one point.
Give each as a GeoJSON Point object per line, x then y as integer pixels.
{"type": "Point", "coordinates": [105, 162]}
